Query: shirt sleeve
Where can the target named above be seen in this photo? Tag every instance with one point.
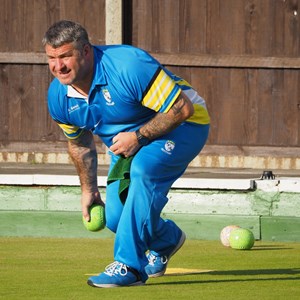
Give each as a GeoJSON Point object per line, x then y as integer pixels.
{"type": "Point", "coordinates": [152, 85]}
{"type": "Point", "coordinates": [161, 92]}
{"type": "Point", "coordinates": [57, 109]}
{"type": "Point", "coordinates": [70, 131]}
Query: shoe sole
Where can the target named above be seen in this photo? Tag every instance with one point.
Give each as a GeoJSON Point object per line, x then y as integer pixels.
{"type": "Point", "coordinates": [179, 245]}
{"type": "Point", "coordinates": [91, 283]}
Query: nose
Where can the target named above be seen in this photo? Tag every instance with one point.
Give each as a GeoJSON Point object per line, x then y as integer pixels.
{"type": "Point", "coordinates": [58, 64]}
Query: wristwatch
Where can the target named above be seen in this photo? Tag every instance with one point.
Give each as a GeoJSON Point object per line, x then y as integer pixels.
{"type": "Point", "coordinates": [142, 140]}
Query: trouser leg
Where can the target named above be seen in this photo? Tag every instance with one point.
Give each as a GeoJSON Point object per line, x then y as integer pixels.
{"type": "Point", "coordinates": [153, 171]}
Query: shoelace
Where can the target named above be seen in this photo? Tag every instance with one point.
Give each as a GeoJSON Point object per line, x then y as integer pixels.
{"type": "Point", "coordinates": [116, 268]}
{"type": "Point", "coordinates": [152, 259]}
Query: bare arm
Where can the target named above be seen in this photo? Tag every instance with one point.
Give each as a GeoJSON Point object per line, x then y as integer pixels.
{"type": "Point", "coordinates": [161, 124]}
{"type": "Point", "coordinates": [126, 143]}
{"type": "Point", "coordinates": [83, 153]}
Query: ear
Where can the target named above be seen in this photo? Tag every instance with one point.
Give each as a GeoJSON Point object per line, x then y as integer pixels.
{"type": "Point", "coordinates": [86, 49]}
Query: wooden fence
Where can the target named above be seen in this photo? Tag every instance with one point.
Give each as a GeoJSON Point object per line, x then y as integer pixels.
{"type": "Point", "coordinates": [241, 55]}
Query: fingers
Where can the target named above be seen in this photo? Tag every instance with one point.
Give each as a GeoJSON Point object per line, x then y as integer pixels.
{"type": "Point", "coordinates": [87, 200]}
{"type": "Point", "coordinates": [114, 148]}
{"type": "Point", "coordinates": [124, 143]}
{"type": "Point", "coordinates": [100, 202]}
{"type": "Point", "coordinates": [85, 213]}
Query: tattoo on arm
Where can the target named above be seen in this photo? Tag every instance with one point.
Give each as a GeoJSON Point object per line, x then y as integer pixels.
{"type": "Point", "coordinates": [84, 155]}
{"type": "Point", "coordinates": [178, 105]}
{"type": "Point", "coordinates": [163, 123]}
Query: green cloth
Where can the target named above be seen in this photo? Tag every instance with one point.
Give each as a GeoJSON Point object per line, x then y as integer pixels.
{"type": "Point", "coordinates": [121, 171]}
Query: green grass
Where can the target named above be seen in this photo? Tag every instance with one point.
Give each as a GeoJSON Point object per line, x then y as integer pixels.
{"type": "Point", "coordinates": [43, 268]}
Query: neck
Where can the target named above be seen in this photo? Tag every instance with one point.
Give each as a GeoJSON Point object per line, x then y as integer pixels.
{"type": "Point", "coordinates": [82, 89]}
{"type": "Point", "coordinates": [83, 86]}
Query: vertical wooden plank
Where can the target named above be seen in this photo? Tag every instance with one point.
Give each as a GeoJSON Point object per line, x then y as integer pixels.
{"type": "Point", "coordinates": [192, 39]}
{"type": "Point", "coordinates": [225, 29]}
{"type": "Point", "coordinates": [37, 102]}
{"type": "Point", "coordinates": [251, 27]}
{"type": "Point", "coordinates": [224, 105]}
{"type": "Point", "coordinates": [291, 26]}
{"type": "Point", "coordinates": [168, 26]}
{"type": "Point", "coordinates": [156, 25]}
{"type": "Point", "coordinates": [261, 26]}
{"type": "Point", "coordinates": [221, 105]}
{"type": "Point", "coordinates": [251, 106]}
{"type": "Point", "coordinates": [27, 99]}
{"type": "Point", "coordinates": [28, 118]}
{"type": "Point", "coordinates": [4, 23]}
{"type": "Point", "coordinates": [265, 84]}
{"type": "Point", "coordinates": [285, 108]}
{"type": "Point", "coordinates": [232, 27]}
{"type": "Point", "coordinates": [23, 24]}
{"type": "Point", "coordinates": [279, 28]}
{"type": "Point", "coordinates": [20, 15]}
{"type": "Point", "coordinates": [143, 32]}
{"type": "Point", "coordinates": [236, 119]}
{"type": "Point", "coordinates": [14, 17]}
{"type": "Point", "coordinates": [14, 103]}
{"type": "Point", "coordinates": [212, 26]}
{"type": "Point", "coordinates": [230, 102]}
{"type": "Point", "coordinates": [44, 14]}
{"type": "Point", "coordinates": [4, 100]}
{"type": "Point", "coordinates": [90, 13]}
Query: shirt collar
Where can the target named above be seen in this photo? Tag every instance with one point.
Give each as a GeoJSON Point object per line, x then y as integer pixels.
{"type": "Point", "coordinates": [72, 93]}
{"type": "Point", "coordinates": [98, 79]}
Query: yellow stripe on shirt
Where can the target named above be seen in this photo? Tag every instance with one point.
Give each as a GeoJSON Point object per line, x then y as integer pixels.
{"type": "Point", "coordinates": [70, 131]}
{"type": "Point", "coordinates": [161, 88]}
{"type": "Point", "coordinates": [200, 115]}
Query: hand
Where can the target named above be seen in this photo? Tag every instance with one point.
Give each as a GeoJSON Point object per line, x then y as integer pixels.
{"type": "Point", "coordinates": [88, 199]}
{"type": "Point", "coordinates": [125, 143]}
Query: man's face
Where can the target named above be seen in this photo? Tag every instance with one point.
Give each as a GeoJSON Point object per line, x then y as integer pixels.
{"type": "Point", "coordinates": [67, 64]}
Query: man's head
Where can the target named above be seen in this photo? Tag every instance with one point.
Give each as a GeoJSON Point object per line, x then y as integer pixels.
{"type": "Point", "coordinates": [70, 55]}
{"type": "Point", "coordinates": [66, 32]}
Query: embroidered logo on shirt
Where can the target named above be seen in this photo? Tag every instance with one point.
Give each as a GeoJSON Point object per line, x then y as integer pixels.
{"type": "Point", "coordinates": [169, 146]}
{"type": "Point", "coordinates": [107, 97]}
{"type": "Point", "coordinates": [73, 108]}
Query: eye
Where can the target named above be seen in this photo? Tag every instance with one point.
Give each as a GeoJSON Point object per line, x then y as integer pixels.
{"type": "Point", "coordinates": [51, 59]}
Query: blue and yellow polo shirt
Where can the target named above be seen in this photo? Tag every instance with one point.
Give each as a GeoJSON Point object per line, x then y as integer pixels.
{"type": "Point", "coordinates": [129, 87]}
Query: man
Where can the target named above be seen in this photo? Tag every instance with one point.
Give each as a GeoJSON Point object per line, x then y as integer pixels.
{"type": "Point", "coordinates": [139, 109]}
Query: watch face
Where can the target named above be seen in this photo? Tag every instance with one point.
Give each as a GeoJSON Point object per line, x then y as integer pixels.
{"type": "Point", "coordinates": [143, 141]}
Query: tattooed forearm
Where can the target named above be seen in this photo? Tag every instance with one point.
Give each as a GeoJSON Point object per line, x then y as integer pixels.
{"type": "Point", "coordinates": [84, 155]}
{"type": "Point", "coordinates": [163, 123]}
{"type": "Point", "coordinates": [159, 125]}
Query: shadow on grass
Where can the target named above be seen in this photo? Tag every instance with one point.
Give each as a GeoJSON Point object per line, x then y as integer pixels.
{"type": "Point", "coordinates": [269, 247]}
{"type": "Point", "coordinates": [259, 272]}
{"type": "Point", "coordinates": [294, 271]}
{"type": "Point", "coordinates": [185, 272]}
{"type": "Point", "coordinates": [226, 280]}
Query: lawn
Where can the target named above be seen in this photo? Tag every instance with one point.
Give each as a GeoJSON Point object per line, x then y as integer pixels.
{"type": "Point", "coordinates": [44, 268]}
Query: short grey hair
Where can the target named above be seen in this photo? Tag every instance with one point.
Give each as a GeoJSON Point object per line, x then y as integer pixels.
{"type": "Point", "coordinates": [65, 32]}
